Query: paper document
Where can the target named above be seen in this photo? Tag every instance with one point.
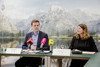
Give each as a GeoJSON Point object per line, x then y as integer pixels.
{"type": "Point", "coordinates": [62, 52]}
{"type": "Point", "coordinates": [86, 52]}
{"type": "Point", "coordinates": [14, 50]}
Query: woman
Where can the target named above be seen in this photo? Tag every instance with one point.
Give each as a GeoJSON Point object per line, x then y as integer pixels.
{"type": "Point", "coordinates": [82, 41]}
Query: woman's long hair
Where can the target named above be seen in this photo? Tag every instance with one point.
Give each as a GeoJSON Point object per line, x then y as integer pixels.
{"type": "Point", "coordinates": [86, 34]}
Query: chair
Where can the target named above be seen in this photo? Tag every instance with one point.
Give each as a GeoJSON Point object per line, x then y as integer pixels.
{"type": "Point", "coordinates": [42, 62]}
{"type": "Point", "coordinates": [68, 62]}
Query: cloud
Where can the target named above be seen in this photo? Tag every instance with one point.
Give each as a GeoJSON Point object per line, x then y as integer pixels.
{"type": "Point", "coordinates": [25, 8]}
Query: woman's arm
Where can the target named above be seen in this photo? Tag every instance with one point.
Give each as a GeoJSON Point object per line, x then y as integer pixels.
{"type": "Point", "coordinates": [72, 44]}
{"type": "Point", "coordinates": [92, 44]}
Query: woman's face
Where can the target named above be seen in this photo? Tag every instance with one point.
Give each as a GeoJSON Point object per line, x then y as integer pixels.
{"type": "Point", "coordinates": [80, 30]}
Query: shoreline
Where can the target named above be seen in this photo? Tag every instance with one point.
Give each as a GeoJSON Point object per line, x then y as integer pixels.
{"type": "Point", "coordinates": [54, 37]}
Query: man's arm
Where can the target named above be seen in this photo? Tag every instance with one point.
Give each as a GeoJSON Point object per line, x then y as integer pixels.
{"type": "Point", "coordinates": [25, 46]}
{"type": "Point", "coordinates": [46, 46]}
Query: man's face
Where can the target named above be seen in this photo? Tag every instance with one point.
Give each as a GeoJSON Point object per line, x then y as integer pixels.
{"type": "Point", "coordinates": [35, 27]}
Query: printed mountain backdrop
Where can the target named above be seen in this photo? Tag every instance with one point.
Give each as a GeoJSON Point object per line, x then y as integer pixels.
{"type": "Point", "coordinates": [57, 20]}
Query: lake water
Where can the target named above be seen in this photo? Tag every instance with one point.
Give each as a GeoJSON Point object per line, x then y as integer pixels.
{"type": "Point", "coordinates": [58, 43]}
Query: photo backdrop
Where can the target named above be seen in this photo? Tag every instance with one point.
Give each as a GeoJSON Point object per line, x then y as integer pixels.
{"type": "Point", "coordinates": [58, 18]}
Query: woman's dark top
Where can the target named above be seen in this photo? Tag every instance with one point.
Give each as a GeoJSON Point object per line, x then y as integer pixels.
{"type": "Point", "coordinates": [83, 45]}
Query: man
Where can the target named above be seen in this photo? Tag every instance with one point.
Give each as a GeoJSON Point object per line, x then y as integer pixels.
{"type": "Point", "coordinates": [37, 36]}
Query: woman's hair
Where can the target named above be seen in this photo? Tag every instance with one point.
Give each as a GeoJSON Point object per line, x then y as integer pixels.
{"type": "Point", "coordinates": [86, 34]}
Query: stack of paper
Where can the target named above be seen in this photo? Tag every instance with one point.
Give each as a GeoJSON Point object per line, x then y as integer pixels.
{"type": "Point", "coordinates": [62, 52]}
{"type": "Point", "coordinates": [86, 52]}
{"type": "Point", "coordinates": [14, 50]}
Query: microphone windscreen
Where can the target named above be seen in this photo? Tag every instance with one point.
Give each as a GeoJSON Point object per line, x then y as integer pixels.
{"type": "Point", "coordinates": [51, 42]}
{"type": "Point", "coordinates": [30, 41]}
{"type": "Point", "coordinates": [43, 41]}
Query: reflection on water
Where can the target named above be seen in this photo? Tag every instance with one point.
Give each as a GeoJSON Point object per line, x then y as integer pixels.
{"type": "Point", "coordinates": [58, 43]}
{"type": "Point", "coordinates": [11, 42]}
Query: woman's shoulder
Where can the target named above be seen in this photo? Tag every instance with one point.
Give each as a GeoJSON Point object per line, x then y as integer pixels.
{"type": "Point", "coordinates": [74, 37]}
{"type": "Point", "coordinates": [90, 38]}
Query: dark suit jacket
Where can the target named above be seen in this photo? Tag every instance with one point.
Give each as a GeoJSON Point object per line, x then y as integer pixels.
{"type": "Point", "coordinates": [40, 37]}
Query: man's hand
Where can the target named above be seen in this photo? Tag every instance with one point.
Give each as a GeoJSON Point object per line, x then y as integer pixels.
{"type": "Point", "coordinates": [33, 48]}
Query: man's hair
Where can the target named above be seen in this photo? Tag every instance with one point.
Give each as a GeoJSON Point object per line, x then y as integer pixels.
{"type": "Point", "coordinates": [86, 34]}
{"type": "Point", "coordinates": [35, 21]}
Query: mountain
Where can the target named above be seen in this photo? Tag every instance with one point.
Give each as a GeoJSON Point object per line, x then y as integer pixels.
{"type": "Point", "coordinates": [6, 24]}
{"type": "Point", "coordinates": [61, 21]}
{"type": "Point", "coordinates": [2, 6]}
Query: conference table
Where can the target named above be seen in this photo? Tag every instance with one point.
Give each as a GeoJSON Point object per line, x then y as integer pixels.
{"type": "Point", "coordinates": [72, 56]}
{"type": "Point", "coordinates": [49, 56]}
{"type": "Point", "coordinates": [94, 61]}
{"type": "Point", "coordinates": [27, 54]}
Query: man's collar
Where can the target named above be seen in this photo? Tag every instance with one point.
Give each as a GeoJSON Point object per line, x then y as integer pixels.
{"type": "Point", "coordinates": [36, 33]}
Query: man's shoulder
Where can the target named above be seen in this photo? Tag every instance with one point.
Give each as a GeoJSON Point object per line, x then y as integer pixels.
{"type": "Point", "coordinates": [29, 33]}
{"type": "Point", "coordinates": [42, 32]}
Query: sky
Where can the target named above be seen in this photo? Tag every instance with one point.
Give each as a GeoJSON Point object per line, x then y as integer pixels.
{"type": "Point", "coordinates": [22, 9]}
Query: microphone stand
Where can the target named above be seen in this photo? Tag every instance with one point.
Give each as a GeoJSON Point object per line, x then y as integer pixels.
{"type": "Point", "coordinates": [41, 48]}
{"type": "Point", "coordinates": [51, 48]}
{"type": "Point", "coordinates": [29, 46]}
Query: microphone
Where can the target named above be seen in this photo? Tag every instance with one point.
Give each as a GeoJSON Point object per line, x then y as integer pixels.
{"type": "Point", "coordinates": [51, 42]}
{"type": "Point", "coordinates": [30, 42]}
{"type": "Point", "coordinates": [42, 42]}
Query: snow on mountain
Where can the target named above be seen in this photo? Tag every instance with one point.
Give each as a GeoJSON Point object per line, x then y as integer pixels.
{"type": "Point", "coordinates": [59, 20]}
{"type": "Point", "coordinates": [6, 24]}
{"type": "Point", "coordinates": [2, 6]}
